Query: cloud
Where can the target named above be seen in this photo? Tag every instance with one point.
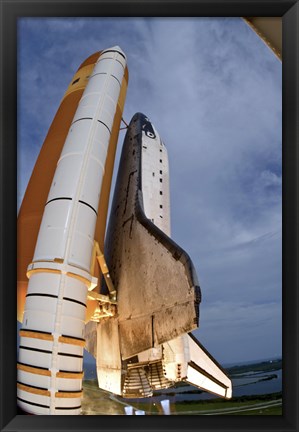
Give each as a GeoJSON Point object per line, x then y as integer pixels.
{"type": "Point", "coordinates": [242, 329]}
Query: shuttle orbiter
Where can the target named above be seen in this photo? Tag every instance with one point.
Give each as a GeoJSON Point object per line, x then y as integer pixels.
{"type": "Point", "coordinates": [158, 293]}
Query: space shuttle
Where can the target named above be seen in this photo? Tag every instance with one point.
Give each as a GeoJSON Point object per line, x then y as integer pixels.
{"type": "Point", "coordinates": [131, 296]}
{"type": "Point", "coordinates": [158, 294]}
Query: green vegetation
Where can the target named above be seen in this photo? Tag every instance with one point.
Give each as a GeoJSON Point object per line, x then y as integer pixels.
{"type": "Point", "coordinates": [277, 410]}
{"type": "Point", "coordinates": [237, 399]}
{"type": "Point", "coordinates": [97, 402]}
{"type": "Point", "coordinates": [269, 404]}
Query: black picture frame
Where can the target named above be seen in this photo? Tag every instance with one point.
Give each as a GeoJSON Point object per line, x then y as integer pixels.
{"type": "Point", "coordinates": [10, 12]}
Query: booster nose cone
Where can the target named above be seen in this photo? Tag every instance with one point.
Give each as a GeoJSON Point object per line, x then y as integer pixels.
{"type": "Point", "coordinates": [117, 49]}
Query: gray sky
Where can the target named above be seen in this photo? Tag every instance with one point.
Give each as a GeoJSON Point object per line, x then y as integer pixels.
{"type": "Point", "coordinates": [212, 89]}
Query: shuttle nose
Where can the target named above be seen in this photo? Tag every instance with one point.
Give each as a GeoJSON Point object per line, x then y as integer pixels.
{"type": "Point", "coordinates": [142, 117]}
{"type": "Point", "coordinates": [145, 125]}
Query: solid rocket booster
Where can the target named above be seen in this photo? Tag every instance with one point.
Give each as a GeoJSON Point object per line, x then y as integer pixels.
{"type": "Point", "coordinates": [52, 337]}
{"type": "Point", "coordinates": [38, 188]}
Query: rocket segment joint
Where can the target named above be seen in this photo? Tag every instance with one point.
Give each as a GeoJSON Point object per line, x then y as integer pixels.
{"type": "Point", "coordinates": [71, 341]}
{"type": "Point", "coordinates": [34, 370]}
{"type": "Point", "coordinates": [36, 335]}
{"type": "Point", "coordinates": [34, 390]}
{"type": "Point", "coordinates": [70, 375]}
{"type": "Point", "coordinates": [59, 267]}
{"type": "Point", "coordinates": [62, 394]}
{"type": "Point", "coordinates": [47, 372]}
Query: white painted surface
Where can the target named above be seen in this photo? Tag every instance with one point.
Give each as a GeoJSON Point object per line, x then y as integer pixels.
{"type": "Point", "coordinates": [129, 410]}
{"type": "Point", "coordinates": [156, 198]}
{"type": "Point", "coordinates": [165, 406]}
{"type": "Point", "coordinates": [176, 358]}
{"type": "Point", "coordinates": [199, 357]}
{"type": "Point", "coordinates": [155, 181]}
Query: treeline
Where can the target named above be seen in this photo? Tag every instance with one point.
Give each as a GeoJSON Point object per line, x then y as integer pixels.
{"type": "Point", "coordinates": [263, 366]}
{"type": "Point", "coordinates": [262, 398]}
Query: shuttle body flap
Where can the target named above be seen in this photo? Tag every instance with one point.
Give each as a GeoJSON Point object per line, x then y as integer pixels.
{"type": "Point", "coordinates": [205, 373]}
{"type": "Point", "coordinates": [185, 359]}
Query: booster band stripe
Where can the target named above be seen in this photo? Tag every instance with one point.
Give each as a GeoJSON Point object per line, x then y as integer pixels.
{"type": "Point", "coordinates": [74, 301]}
{"type": "Point", "coordinates": [34, 370]}
{"type": "Point", "coordinates": [60, 394]}
{"type": "Point", "coordinates": [70, 355]}
{"type": "Point", "coordinates": [32, 403]}
{"type": "Point", "coordinates": [71, 341]}
{"type": "Point", "coordinates": [31, 389]}
{"type": "Point", "coordinates": [41, 295]}
{"type": "Point", "coordinates": [36, 335]}
{"type": "Point", "coordinates": [35, 349]}
{"type": "Point", "coordinates": [88, 205]}
{"type": "Point", "coordinates": [58, 199]}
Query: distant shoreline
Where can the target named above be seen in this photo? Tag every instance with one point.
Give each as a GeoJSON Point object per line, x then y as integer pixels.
{"type": "Point", "coordinates": [251, 362]}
